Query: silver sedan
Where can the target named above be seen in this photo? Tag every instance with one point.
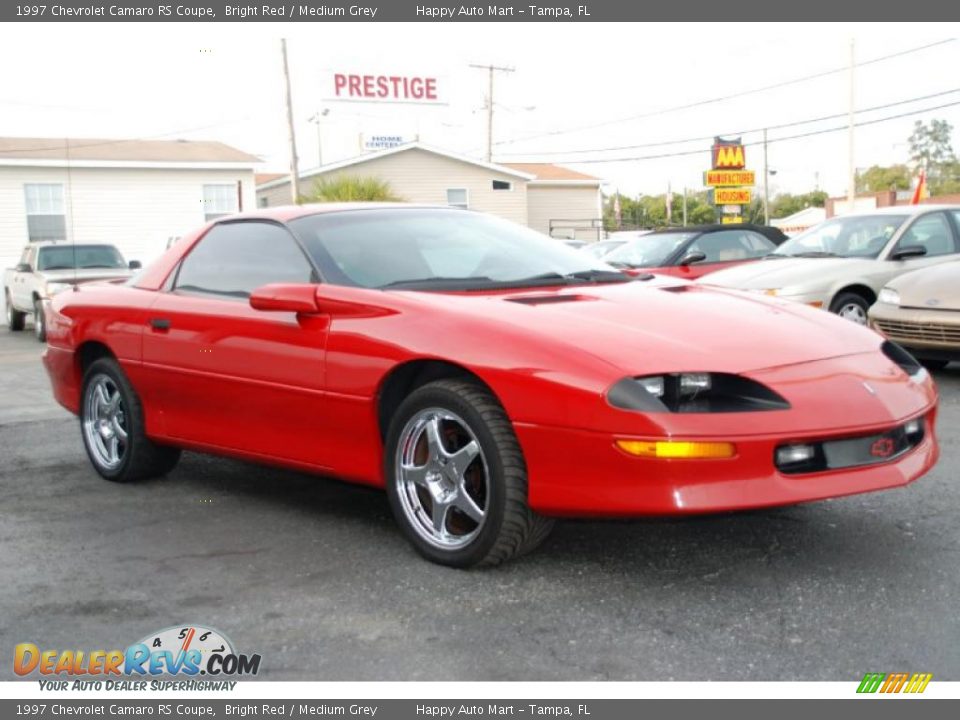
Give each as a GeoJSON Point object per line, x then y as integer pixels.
{"type": "Point", "coordinates": [841, 264]}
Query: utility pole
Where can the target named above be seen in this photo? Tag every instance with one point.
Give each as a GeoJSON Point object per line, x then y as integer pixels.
{"type": "Point", "coordinates": [490, 70]}
{"type": "Point", "coordinates": [294, 174]}
{"type": "Point", "coordinates": [851, 169]}
{"type": "Point", "coordinates": [766, 182]}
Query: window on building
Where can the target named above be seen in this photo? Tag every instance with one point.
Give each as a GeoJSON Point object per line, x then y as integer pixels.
{"type": "Point", "coordinates": [263, 201]}
{"type": "Point", "coordinates": [46, 218]}
{"type": "Point", "coordinates": [457, 197]}
{"type": "Point", "coordinates": [220, 200]}
{"type": "Point", "coordinates": [236, 258]}
{"type": "Point", "coordinates": [502, 185]}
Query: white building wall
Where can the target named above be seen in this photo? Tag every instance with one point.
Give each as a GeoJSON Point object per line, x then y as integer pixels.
{"type": "Point", "coordinates": [563, 202]}
{"type": "Point", "coordinates": [135, 209]}
{"type": "Point", "coordinates": [419, 176]}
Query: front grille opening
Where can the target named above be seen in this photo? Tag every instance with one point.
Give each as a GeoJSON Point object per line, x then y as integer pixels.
{"type": "Point", "coordinates": [851, 452]}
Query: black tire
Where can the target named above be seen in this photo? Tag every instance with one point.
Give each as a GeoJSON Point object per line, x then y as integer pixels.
{"type": "Point", "coordinates": [141, 458]}
{"type": "Point", "coordinates": [39, 320]}
{"type": "Point", "coordinates": [15, 318]}
{"type": "Point", "coordinates": [932, 364]}
{"type": "Point", "coordinates": [510, 528]}
{"type": "Point", "coordinates": [846, 302]}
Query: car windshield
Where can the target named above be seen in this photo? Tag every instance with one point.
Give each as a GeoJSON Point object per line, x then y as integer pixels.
{"type": "Point", "coordinates": [436, 248]}
{"type": "Point", "coordinates": [69, 257]}
{"type": "Point", "coordinates": [857, 236]}
{"type": "Point", "coordinates": [601, 248]}
{"type": "Point", "coordinates": [648, 250]}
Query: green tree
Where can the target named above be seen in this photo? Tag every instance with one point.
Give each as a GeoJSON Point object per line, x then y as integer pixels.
{"type": "Point", "coordinates": [930, 145]}
{"type": "Point", "coordinates": [877, 179]}
{"type": "Point", "coordinates": [351, 188]}
{"type": "Point", "coordinates": [786, 204]}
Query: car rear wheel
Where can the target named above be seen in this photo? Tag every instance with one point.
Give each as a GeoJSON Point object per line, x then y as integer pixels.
{"type": "Point", "coordinates": [15, 318]}
{"type": "Point", "coordinates": [456, 477]}
{"type": "Point", "coordinates": [850, 306]}
{"type": "Point", "coordinates": [39, 320]}
{"type": "Point", "coordinates": [111, 420]}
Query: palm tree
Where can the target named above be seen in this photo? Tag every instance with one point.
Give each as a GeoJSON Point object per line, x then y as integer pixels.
{"type": "Point", "coordinates": [351, 188]}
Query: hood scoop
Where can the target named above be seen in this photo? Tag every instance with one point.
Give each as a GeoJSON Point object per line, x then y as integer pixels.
{"type": "Point", "coordinates": [548, 299]}
{"type": "Point", "coordinates": [678, 288]}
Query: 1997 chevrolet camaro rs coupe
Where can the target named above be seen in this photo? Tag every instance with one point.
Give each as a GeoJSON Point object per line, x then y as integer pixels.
{"type": "Point", "coordinates": [487, 376]}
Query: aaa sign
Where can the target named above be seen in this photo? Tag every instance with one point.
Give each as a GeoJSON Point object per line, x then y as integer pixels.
{"type": "Point", "coordinates": [729, 157]}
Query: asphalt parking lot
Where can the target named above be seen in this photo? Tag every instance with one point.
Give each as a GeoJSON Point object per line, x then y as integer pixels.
{"type": "Point", "coordinates": [313, 575]}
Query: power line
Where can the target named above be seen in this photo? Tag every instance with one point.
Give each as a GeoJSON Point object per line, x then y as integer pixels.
{"type": "Point", "coordinates": [812, 133]}
{"type": "Point", "coordinates": [701, 138]}
{"type": "Point", "coordinates": [723, 98]}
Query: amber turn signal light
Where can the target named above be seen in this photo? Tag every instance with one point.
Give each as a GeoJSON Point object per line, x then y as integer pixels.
{"type": "Point", "coordinates": [678, 449]}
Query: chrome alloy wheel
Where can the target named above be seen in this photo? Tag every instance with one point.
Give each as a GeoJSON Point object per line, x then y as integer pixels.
{"type": "Point", "coordinates": [442, 478]}
{"type": "Point", "coordinates": [852, 311]}
{"type": "Point", "coordinates": [104, 422]}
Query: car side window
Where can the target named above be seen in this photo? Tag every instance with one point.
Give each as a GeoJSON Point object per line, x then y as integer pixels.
{"type": "Point", "coordinates": [731, 245]}
{"type": "Point", "coordinates": [234, 259]}
{"type": "Point", "coordinates": [931, 232]}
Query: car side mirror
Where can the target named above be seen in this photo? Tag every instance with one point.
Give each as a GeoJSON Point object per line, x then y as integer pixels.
{"type": "Point", "coordinates": [693, 257]}
{"type": "Point", "coordinates": [24, 267]}
{"type": "Point", "coordinates": [283, 297]}
{"type": "Point", "coordinates": [908, 251]}
{"type": "Point", "coordinates": [135, 264]}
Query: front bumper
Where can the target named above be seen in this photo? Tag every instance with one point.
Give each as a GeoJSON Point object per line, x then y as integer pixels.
{"type": "Point", "coordinates": [929, 333]}
{"type": "Point", "coordinates": [582, 473]}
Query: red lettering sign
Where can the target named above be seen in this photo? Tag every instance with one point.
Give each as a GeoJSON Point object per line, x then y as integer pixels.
{"type": "Point", "coordinates": [385, 88]}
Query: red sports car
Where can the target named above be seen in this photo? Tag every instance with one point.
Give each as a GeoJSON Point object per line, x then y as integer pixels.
{"type": "Point", "coordinates": [488, 377]}
{"type": "Point", "coordinates": [693, 251]}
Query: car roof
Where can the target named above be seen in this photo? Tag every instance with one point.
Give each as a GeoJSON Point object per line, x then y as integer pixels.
{"type": "Point", "coordinates": [714, 227]}
{"type": "Point", "coordinates": [285, 213]}
{"type": "Point", "coordinates": [899, 210]}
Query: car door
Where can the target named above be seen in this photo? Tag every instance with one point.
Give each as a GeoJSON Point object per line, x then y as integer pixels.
{"type": "Point", "coordinates": [21, 282]}
{"type": "Point", "coordinates": [935, 233]}
{"type": "Point", "coordinates": [723, 249]}
{"type": "Point", "coordinates": [226, 375]}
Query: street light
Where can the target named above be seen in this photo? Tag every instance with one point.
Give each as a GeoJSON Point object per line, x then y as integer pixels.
{"type": "Point", "coordinates": [316, 118]}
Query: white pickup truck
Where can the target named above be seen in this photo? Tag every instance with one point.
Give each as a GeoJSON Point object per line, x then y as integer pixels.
{"type": "Point", "coordinates": [46, 268]}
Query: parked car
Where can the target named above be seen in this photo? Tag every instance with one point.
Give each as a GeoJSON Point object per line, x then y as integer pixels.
{"type": "Point", "coordinates": [841, 264]}
{"type": "Point", "coordinates": [487, 376]}
{"type": "Point", "coordinates": [46, 268]}
{"type": "Point", "coordinates": [921, 311]}
{"type": "Point", "coordinates": [692, 252]}
{"type": "Point", "coordinates": [576, 244]}
{"type": "Point", "coordinates": [601, 247]}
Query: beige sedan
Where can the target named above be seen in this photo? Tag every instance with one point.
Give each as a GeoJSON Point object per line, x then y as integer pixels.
{"type": "Point", "coordinates": [921, 311]}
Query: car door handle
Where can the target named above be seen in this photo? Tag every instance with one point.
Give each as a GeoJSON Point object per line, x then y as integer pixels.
{"type": "Point", "coordinates": [160, 323]}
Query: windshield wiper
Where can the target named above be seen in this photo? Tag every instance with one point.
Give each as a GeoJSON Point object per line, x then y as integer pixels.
{"type": "Point", "coordinates": [814, 254]}
{"type": "Point", "coordinates": [58, 267]}
{"type": "Point", "coordinates": [578, 276]}
{"type": "Point", "coordinates": [91, 267]}
{"type": "Point", "coordinates": [477, 280]}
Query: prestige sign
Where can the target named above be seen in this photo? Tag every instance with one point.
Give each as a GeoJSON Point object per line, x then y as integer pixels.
{"type": "Point", "coordinates": [423, 89]}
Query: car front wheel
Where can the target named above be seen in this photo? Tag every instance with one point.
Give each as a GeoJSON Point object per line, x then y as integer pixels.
{"type": "Point", "coordinates": [456, 477]}
{"type": "Point", "coordinates": [15, 318]}
{"type": "Point", "coordinates": [850, 306]}
{"type": "Point", "coordinates": [111, 420]}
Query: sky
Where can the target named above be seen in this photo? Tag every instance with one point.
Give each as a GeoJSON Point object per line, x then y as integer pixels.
{"type": "Point", "coordinates": [614, 85]}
